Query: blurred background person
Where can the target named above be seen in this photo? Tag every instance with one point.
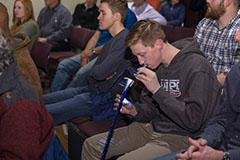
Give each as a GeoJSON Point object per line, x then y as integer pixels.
{"type": "Point", "coordinates": [174, 12]}
{"type": "Point", "coordinates": [20, 42]}
{"type": "Point", "coordinates": [143, 10]}
{"type": "Point", "coordinates": [55, 23]}
{"type": "Point", "coordinates": [23, 21]}
{"type": "Point", "coordinates": [85, 15]}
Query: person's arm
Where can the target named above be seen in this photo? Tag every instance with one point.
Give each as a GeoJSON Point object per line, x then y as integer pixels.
{"type": "Point", "coordinates": [110, 64]}
{"type": "Point", "coordinates": [221, 78]}
{"type": "Point", "coordinates": [215, 131]}
{"type": "Point", "coordinates": [130, 19]}
{"type": "Point", "coordinates": [93, 41]}
{"type": "Point", "coordinates": [151, 13]}
{"type": "Point", "coordinates": [30, 29]}
{"type": "Point", "coordinates": [20, 132]}
{"type": "Point", "coordinates": [88, 51]}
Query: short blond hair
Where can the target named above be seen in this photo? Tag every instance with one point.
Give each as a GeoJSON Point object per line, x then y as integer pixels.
{"type": "Point", "coordinates": [147, 31]}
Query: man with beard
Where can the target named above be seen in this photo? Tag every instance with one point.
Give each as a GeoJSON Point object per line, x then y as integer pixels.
{"type": "Point", "coordinates": [215, 34]}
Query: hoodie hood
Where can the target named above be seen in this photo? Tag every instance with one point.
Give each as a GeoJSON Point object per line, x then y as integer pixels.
{"type": "Point", "coordinates": [187, 47]}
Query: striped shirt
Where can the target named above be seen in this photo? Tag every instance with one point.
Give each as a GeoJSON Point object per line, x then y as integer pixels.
{"type": "Point", "coordinates": [218, 45]}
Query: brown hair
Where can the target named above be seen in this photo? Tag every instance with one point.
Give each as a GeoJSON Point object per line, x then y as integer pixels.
{"type": "Point", "coordinates": [148, 31]}
{"type": "Point", "coordinates": [236, 3]}
{"type": "Point", "coordinates": [28, 9]}
{"type": "Point", "coordinates": [4, 18]}
{"type": "Point", "coordinates": [117, 6]}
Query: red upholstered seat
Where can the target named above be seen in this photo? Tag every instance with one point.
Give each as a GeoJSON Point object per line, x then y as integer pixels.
{"type": "Point", "coordinates": [39, 53]}
{"type": "Point", "coordinates": [91, 128]}
{"type": "Point", "coordinates": [80, 120]}
{"type": "Point", "coordinates": [83, 127]}
{"type": "Point", "coordinates": [174, 33]}
{"type": "Point", "coordinates": [78, 40]}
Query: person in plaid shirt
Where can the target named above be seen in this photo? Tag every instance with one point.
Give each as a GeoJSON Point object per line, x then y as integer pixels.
{"type": "Point", "coordinates": [215, 35]}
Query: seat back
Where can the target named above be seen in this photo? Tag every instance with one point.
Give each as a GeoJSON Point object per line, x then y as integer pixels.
{"type": "Point", "coordinates": [174, 33]}
{"type": "Point", "coordinates": [78, 40]}
{"type": "Point", "coordinates": [39, 53]}
{"type": "Point", "coordinates": [80, 37]}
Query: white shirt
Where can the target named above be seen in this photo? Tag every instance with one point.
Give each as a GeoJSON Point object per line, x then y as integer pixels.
{"type": "Point", "coordinates": [145, 11]}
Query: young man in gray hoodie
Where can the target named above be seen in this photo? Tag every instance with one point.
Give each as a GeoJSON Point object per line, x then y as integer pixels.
{"type": "Point", "coordinates": [180, 95]}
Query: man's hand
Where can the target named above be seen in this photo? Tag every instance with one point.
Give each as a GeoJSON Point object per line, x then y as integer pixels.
{"type": "Point", "coordinates": [149, 79]}
{"type": "Point", "coordinates": [221, 78]}
{"type": "Point", "coordinates": [43, 40]}
{"type": "Point", "coordinates": [199, 150]}
{"type": "Point", "coordinates": [127, 108]}
{"type": "Point", "coordinates": [110, 77]}
{"type": "Point", "coordinates": [85, 57]}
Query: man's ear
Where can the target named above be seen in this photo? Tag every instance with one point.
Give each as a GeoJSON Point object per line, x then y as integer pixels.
{"type": "Point", "coordinates": [117, 16]}
{"type": "Point", "coordinates": [227, 3]}
{"type": "Point", "coordinates": [159, 43]}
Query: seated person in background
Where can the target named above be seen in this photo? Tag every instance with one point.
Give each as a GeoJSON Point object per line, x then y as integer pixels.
{"type": "Point", "coordinates": [23, 21]}
{"type": "Point", "coordinates": [215, 35]}
{"type": "Point", "coordinates": [75, 102]}
{"type": "Point", "coordinates": [174, 12]}
{"type": "Point", "coordinates": [177, 101]}
{"type": "Point", "coordinates": [156, 4]}
{"type": "Point", "coordinates": [20, 42]}
{"type": "Point", "coordinates": [221, 137]}
{"type": "Point", "coordinates": [143, 10]}
{"type": "Point", "coordinates": [55, 22]}
{"type": "Point", "coordinates": [26, 126]}
{"type": "Point", "coordinates": [80, 64]}
{"type": "Point", "coordinates": [85, 15]}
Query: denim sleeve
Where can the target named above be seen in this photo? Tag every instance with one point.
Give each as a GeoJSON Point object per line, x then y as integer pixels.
{"type": "Point", "coordinates": [215, 132]}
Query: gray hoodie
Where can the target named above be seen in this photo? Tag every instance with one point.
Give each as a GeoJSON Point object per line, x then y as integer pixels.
{"type": "Point", "coordinates": [188, 95]}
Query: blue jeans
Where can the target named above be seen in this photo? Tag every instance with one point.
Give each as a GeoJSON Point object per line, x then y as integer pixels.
{"type": "Point", "coordinates": [55, 150]}
{"type": "Point", "coordinates": [66, 68]}
{"type": "Point", "coordinates": [68, 103]}
{"type": "Point", "coordinates": [171, 156]}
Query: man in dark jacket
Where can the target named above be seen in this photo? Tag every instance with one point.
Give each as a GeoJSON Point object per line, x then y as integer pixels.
{"type": "Point", "coordinates": [26, 126]}
{"type": "Point", "coordinates": [178, 99]}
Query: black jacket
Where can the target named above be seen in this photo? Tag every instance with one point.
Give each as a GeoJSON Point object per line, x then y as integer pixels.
{"type": "Point", "coordinates": [87, 18]}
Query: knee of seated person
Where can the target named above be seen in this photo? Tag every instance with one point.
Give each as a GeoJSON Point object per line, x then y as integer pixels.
{"type": "Point", "coordinates": [89, 149]}
{"type": "Point", "coordinates": [63, 62]}
{"type": "Point", "coordinates": [87, 143]}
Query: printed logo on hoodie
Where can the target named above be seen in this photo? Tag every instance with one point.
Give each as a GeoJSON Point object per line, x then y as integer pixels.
{"type": "Point", "coordinates": [171, 86]}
